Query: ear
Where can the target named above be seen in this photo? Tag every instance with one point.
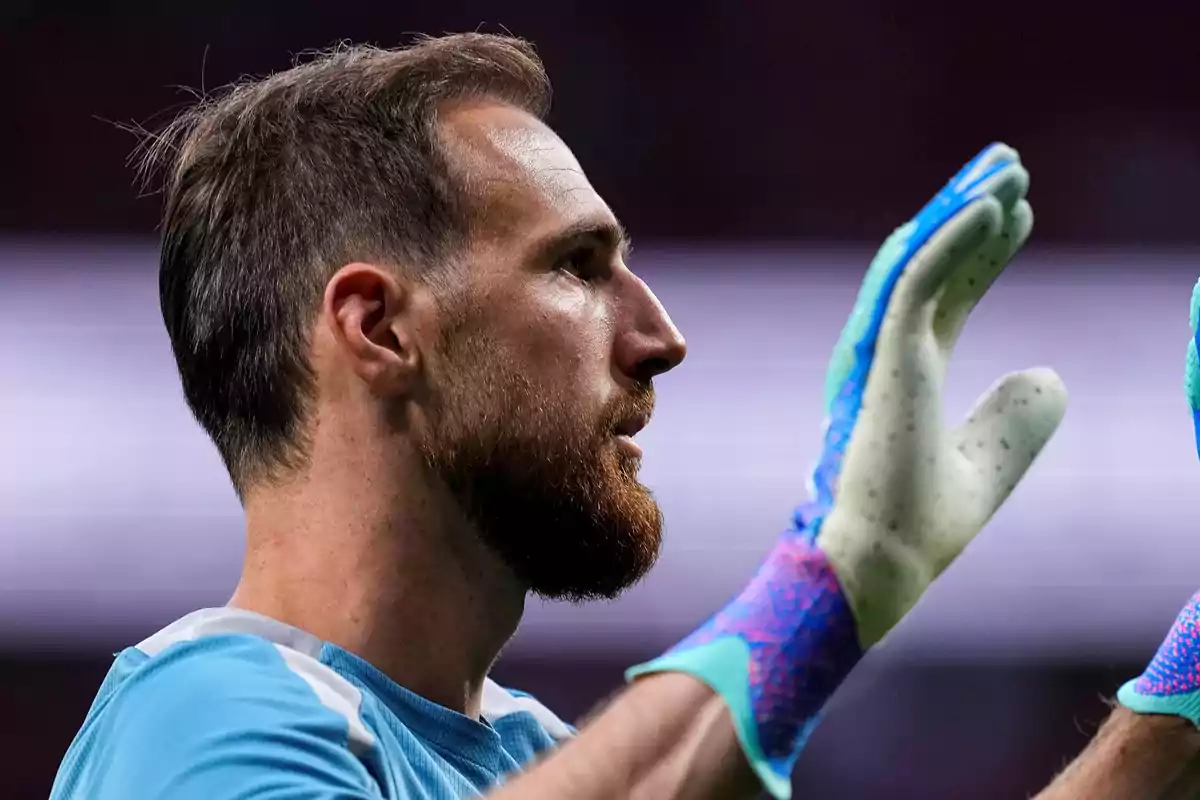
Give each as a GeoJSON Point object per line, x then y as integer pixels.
{"type": "Point", "coordinates": [368, 309]}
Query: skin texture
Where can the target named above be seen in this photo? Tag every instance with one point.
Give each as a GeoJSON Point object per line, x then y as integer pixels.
{"type": "Point", "coordinates": [548, 348]}
{"type": "Point", "coordinates": [378, 548]}
{"type": "Point", "coordinates": [465, 445]}
{"type": "Point", "coordinates": [544, 348]}
{"type": "Point", "coordinates": [667, 736]}
{"type": "Point", "coordinates": [1147, 756]}
{"type": "Point", "coordinates": [1150, 747]}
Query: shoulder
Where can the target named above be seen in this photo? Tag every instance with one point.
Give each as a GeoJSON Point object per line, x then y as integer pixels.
{"type": "Point", "coordinates": [214, 705]}
{"type": "Point", "coordinates": [233, 657]}
{"type": "Point", "coordinates": [501, 703]}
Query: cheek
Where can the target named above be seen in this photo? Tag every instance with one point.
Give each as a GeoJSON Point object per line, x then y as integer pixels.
{"type": "Point", "coordinates": [570, 339]}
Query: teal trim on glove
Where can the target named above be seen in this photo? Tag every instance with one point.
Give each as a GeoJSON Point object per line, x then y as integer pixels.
{"type": "Point", "coordinates": [832, 586]}
{"type": "Point", "coordinates": [724, 666]}
{"type": "Point", "coordinates": [1171, 684]}
{"type": "Point", "coordinates": [1179, 705]}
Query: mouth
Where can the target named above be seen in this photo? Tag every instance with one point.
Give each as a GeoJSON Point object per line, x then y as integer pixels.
{"type": "Point", "coordinates": [625, 432]}
{"type": "Point", "coordinates": [631, 426]}
{"type": "Point", "coordinates": [627, 444]}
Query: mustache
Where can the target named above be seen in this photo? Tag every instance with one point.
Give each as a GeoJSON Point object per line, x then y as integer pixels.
{"type": "Point", "coordinates": [632, 408]}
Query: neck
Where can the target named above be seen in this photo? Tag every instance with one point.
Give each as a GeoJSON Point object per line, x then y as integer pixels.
{"type": "Point", "coordinates": [413, 592]}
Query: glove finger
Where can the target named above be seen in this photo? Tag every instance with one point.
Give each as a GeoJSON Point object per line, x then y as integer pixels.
{"type": "Point", "coordinates": [854, 359]}
{"type": "Point", "coordinates": [856, 334]}
{"type": "Point", "coordinates": [931, 267]}
{"type": "Point", "coordinates": [1009, 185]}
{"type": "Point", "coordinates": [998, 190]}
{"type": "Point", "coordinates": [989, 171]}
{"type": "Point", "coordinates": [978, 168]}
{"type": "Point", "coordinates": [967, 286]}
{"type": "Point", "coordinates": [957, 219]}
{"type": "Point", "coordinates": [1009, 426]}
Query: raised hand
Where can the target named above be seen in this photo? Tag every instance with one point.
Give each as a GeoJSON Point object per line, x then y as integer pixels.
{"type": "Point", "coordinates": [897, 495]}
{"type": "Point", "coordinates": [1171, 684]}
{"type": "Point", "coordinates": [894, 497]}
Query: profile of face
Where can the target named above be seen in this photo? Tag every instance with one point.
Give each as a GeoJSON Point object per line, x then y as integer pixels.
{"type": "Point", "coordinates": [543, 366]}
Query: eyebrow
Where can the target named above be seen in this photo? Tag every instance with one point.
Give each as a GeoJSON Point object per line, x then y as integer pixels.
{"type": "Point", "coordinates": [608, 232]}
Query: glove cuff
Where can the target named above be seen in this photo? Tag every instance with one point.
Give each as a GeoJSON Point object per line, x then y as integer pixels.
{"type": "Point", "coordinates": [1177, 705]}
{"type": "Point", "coordinates": [775, 655]}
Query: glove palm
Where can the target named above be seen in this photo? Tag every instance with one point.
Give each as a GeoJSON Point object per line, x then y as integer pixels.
{"type": "Point", "coordinates": [899, 496]}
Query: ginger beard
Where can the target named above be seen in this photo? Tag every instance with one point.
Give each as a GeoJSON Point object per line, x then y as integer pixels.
{"type": "Point", "coordinates": [545, 484]}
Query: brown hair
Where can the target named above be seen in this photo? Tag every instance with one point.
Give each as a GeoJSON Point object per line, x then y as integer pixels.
{"type": "Point", "coordinates": [275, 183]}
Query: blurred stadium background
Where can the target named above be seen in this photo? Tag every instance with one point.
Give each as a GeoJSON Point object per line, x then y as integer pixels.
{"type": "Point", "coordinates": [758, 154]}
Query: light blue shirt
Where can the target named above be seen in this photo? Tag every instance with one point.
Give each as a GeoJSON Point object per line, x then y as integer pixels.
{"type": "Point", "coordinates": [226, 704]}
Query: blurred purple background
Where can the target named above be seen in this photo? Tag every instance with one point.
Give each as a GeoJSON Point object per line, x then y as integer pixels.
{"type": "Point", "coordinates": [758, 156]}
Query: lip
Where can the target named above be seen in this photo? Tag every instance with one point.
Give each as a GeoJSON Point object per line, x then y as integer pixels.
{"type": "Point", "coordinates": [632, 426]}
{"type": "Point", "coordinates": [626, 442]}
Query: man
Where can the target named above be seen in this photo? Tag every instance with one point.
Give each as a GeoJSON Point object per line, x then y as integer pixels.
{"type": "Point", "coordinates": [406, 320]}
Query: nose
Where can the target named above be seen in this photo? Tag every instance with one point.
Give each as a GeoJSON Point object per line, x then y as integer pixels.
{"type": "Point", "coordinates": [648, 343]}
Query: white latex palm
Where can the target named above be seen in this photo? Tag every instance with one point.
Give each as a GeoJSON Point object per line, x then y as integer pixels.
{"type": "Point", "coordinates": [903, 495]}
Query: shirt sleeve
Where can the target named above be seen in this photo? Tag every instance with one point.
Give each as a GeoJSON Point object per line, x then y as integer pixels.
{"type": "Point", "coordinates": [221, 718]}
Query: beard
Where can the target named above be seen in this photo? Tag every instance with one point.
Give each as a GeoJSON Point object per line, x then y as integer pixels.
{"type": "Point", "coordinates": [543, 482]}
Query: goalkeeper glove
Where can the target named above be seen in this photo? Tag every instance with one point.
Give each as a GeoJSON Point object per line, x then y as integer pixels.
{"type": "Point", "coordinates": [894, 497]}
{"type": "Point", "coordinates": [1171, 684]}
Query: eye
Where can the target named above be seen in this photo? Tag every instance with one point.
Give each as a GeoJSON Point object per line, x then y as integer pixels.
{"type": "Point", "coordinates": [579, 263]}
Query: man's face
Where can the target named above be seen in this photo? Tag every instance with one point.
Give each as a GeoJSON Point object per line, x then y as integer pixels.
{"type": "Point", "coordinates": [543, 368]}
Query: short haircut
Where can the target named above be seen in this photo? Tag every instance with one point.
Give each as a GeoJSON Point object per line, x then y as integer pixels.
{"type": "Point", "coordinates": [272, 185]}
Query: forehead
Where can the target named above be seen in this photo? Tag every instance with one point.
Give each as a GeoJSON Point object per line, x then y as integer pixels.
{"type": "Point", "coordinates": [526, 181]}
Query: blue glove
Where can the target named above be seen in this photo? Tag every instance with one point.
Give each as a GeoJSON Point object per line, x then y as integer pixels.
{"type": "Point", "coordinates": [1171, 684]}
{"type": "Point", "coordinates": [894, 497]}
